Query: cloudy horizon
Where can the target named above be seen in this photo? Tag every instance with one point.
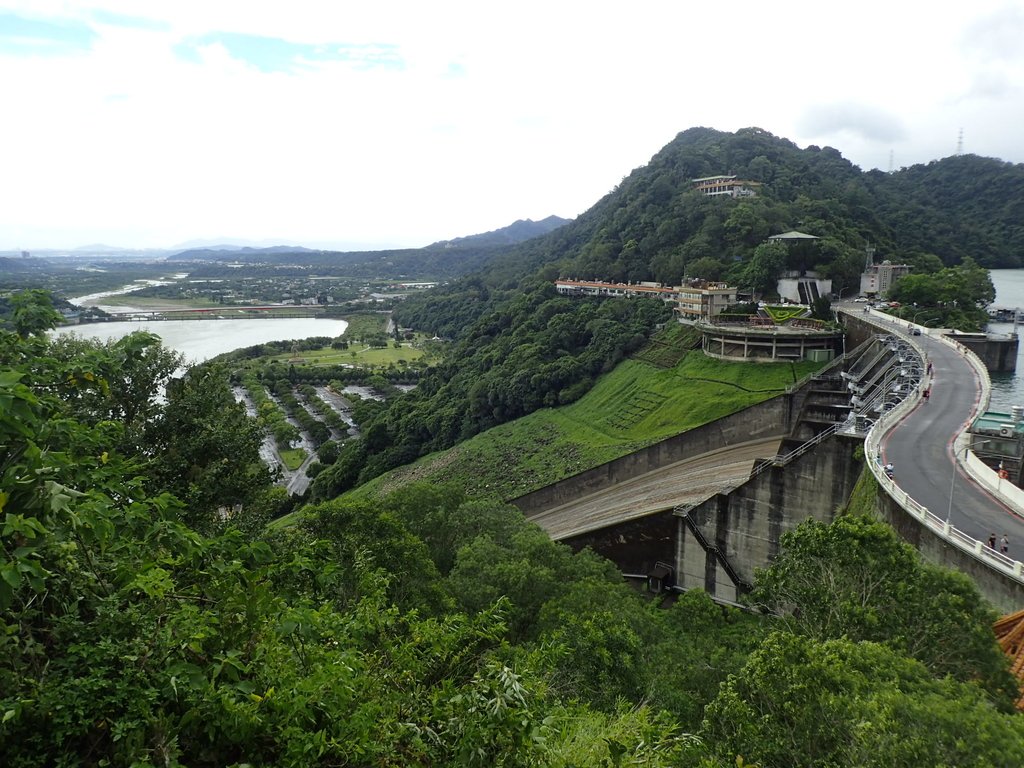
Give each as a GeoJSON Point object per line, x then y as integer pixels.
{"type": "Point", "coordinates": [401, 124]}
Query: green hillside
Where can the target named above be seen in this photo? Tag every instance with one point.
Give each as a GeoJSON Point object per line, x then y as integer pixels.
{"type": "Point", "coordinates": [518, 348]}
{"type": "Point", "coordinates": [633, 406]}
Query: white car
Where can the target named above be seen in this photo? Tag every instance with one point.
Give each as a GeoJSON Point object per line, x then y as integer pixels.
{"type": "Point", "coordinates": [861, 299]}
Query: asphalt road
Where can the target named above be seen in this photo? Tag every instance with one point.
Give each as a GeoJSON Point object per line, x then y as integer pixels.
{"type": "Point", "coordinates": [688, 481]}
{"type": "Point", "coordinates": [921, 451]}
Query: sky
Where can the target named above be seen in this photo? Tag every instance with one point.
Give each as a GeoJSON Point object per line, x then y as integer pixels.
{"type": "Point", "coordinates": [343, 124]}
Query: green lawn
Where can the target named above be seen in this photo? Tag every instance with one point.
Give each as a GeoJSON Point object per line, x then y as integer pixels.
{"type": "Point", "coordinates": [357, 354]}
{"type": "Point", "coordinates": [781, 314]}
{"type": "Point", "coordinates": [633, 406]}
{"type": "Point", "coordinates": [292, 458]}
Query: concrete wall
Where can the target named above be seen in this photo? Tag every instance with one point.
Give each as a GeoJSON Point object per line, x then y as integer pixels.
{"type": "Point", "coordinates": [999, 354]}
{"type": "Point", "coordinates": [857, 331]}
{"type": "Point", "coordinates": [1004, 592]}
{"type": "Point", "coordinates": [763, 420]}
{"type": "Point", "coordinates": [747, 523]}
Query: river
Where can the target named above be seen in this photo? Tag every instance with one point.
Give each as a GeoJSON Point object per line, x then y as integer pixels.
{"type": "Point", "coordinates": [1008, 388]}
{"type": "Point", "coordinates": [199, 340]}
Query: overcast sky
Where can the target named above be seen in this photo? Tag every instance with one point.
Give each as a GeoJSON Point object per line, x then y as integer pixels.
{"type": "Point", "coordinates": [335, 123]}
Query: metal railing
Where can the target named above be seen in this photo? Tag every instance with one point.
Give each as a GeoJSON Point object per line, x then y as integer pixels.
{"type": "Point", "coordinates": [957, 538]}
{"type": "Point", "coordinates": [683, 511]}
{"type": "Point", "coordinates": [781, 460]}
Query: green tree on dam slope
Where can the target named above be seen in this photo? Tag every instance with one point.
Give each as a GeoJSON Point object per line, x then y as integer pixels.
{"type": "Point", "coordinates": [431, 629]}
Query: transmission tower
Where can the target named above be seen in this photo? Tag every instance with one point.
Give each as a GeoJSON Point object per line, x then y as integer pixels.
{"type": "Point", "coordinates": [960, 142]}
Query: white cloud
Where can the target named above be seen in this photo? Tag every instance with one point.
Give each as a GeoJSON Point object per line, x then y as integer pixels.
{"type": "Point", "coordinates": [409, 122]}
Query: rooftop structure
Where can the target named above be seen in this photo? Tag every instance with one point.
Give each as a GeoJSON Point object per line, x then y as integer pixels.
{"type": "Point", "coordinates": [1009, 631]}
{"type": "Point", "coordinates": [793, 236]}
{"type": "Point", "coordinates": [997, 438]}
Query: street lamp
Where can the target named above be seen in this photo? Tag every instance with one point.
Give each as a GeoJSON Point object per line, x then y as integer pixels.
{"type": "Point", "coordinates": [952, 483]}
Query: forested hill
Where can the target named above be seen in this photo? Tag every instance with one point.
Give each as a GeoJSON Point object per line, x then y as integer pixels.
{"type": "Point", "coordinates": [444, 259]}
{"type": "Point", "coordinates": [655, 226]}
{"type": "Point", "coordinates": [516, 232]}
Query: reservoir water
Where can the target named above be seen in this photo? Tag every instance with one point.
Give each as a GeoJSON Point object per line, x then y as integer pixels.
{"type": "Point", "coordinates": [1008, 388]}
{"type": "Point", "coordinates": [199, 340]}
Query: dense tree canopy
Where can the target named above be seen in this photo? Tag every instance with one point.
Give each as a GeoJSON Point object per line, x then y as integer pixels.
{"type": "Point", "coordinates": [952, 297]}
{"type": "Point", "coordinates": [514, 356]}
{"type": "Point", "coordinates": [429, 628]}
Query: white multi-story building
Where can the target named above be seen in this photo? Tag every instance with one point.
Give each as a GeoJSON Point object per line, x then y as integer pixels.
{"type": "Point", "coordinates": [877, 279]}
{"type": "Point", "coordinates": [702, 299]}
{"type": "Point", "coordinates": [716, 186]}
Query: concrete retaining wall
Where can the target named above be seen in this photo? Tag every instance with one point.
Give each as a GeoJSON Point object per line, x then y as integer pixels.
{"type": "Point", "coordinates": [746, 524]}
{"type": "Point", "coordinates": [768, 419]}
{"type": "Point", "coordinates": [1004, 592]}
{"type": "Point", "coordinates": [999, 354]}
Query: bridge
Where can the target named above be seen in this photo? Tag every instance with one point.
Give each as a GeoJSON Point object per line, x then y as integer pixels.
{"type": "Point", "coordinates": [704, 508]}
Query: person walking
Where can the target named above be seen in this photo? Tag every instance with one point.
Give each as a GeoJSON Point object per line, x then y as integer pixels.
{"type": "Point", "coordinates": [992, 540]}
{"type": "Point", "coordinates": [1004, 545]}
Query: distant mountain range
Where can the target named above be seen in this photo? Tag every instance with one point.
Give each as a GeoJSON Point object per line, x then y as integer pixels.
{"type": "Point", "coordinates": [517, 232]}
{"type": "Point", "coordinates": [444, 259]}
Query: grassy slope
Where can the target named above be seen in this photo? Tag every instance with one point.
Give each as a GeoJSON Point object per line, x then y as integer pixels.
{"type": "Point", "coordinates": [633, 406]}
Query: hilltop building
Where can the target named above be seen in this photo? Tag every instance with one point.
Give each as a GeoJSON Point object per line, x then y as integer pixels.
{"type": "Point", "coordinates": [620, 290]}
{"type": "Point", "coordinates": [703, 300]}
{"type": "Point", "coordinates": [877, 279]}
{"type": "Point", "coordinates": [730, 186]}
{"type": "Point", "coordinates": [702, 303]}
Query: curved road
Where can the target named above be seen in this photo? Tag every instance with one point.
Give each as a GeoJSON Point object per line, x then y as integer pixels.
{"type": "Point", "coordinates": [689, 481]}
{"type": "Point", "coordinates": [921, 450]}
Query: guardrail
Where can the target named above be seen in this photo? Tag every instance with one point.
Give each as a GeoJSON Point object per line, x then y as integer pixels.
{"type": "Point", "coordinates": [957, 538]}
{"type": "Point", "coordinates": [780, 460]}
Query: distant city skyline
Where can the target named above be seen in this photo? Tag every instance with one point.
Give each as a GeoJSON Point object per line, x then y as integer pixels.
{"type": "Point", "coordinates": [370, 126]}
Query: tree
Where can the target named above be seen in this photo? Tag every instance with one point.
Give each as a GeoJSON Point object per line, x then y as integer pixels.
{"type": "Point", "coordinates": [697, 645]}
{"type": "Point", "coordinates": [706, 268]}
{"type": "Point", "coordinates": [206, 449]}
{"type": "Point", "coordinates": [124, 379]}
{"type": "Point", "coordinates": [956, 296]}
{"type": "Point", "coordinates": [855, 578]}
{"type": "Point", "coordinates": [803, 703]}
{"type": "Point", "coordinates": [599, 631]}
{"type": "Point", "coordinates": [33, 312]}
{"type": "Point", "coordinates": [763, 270]}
